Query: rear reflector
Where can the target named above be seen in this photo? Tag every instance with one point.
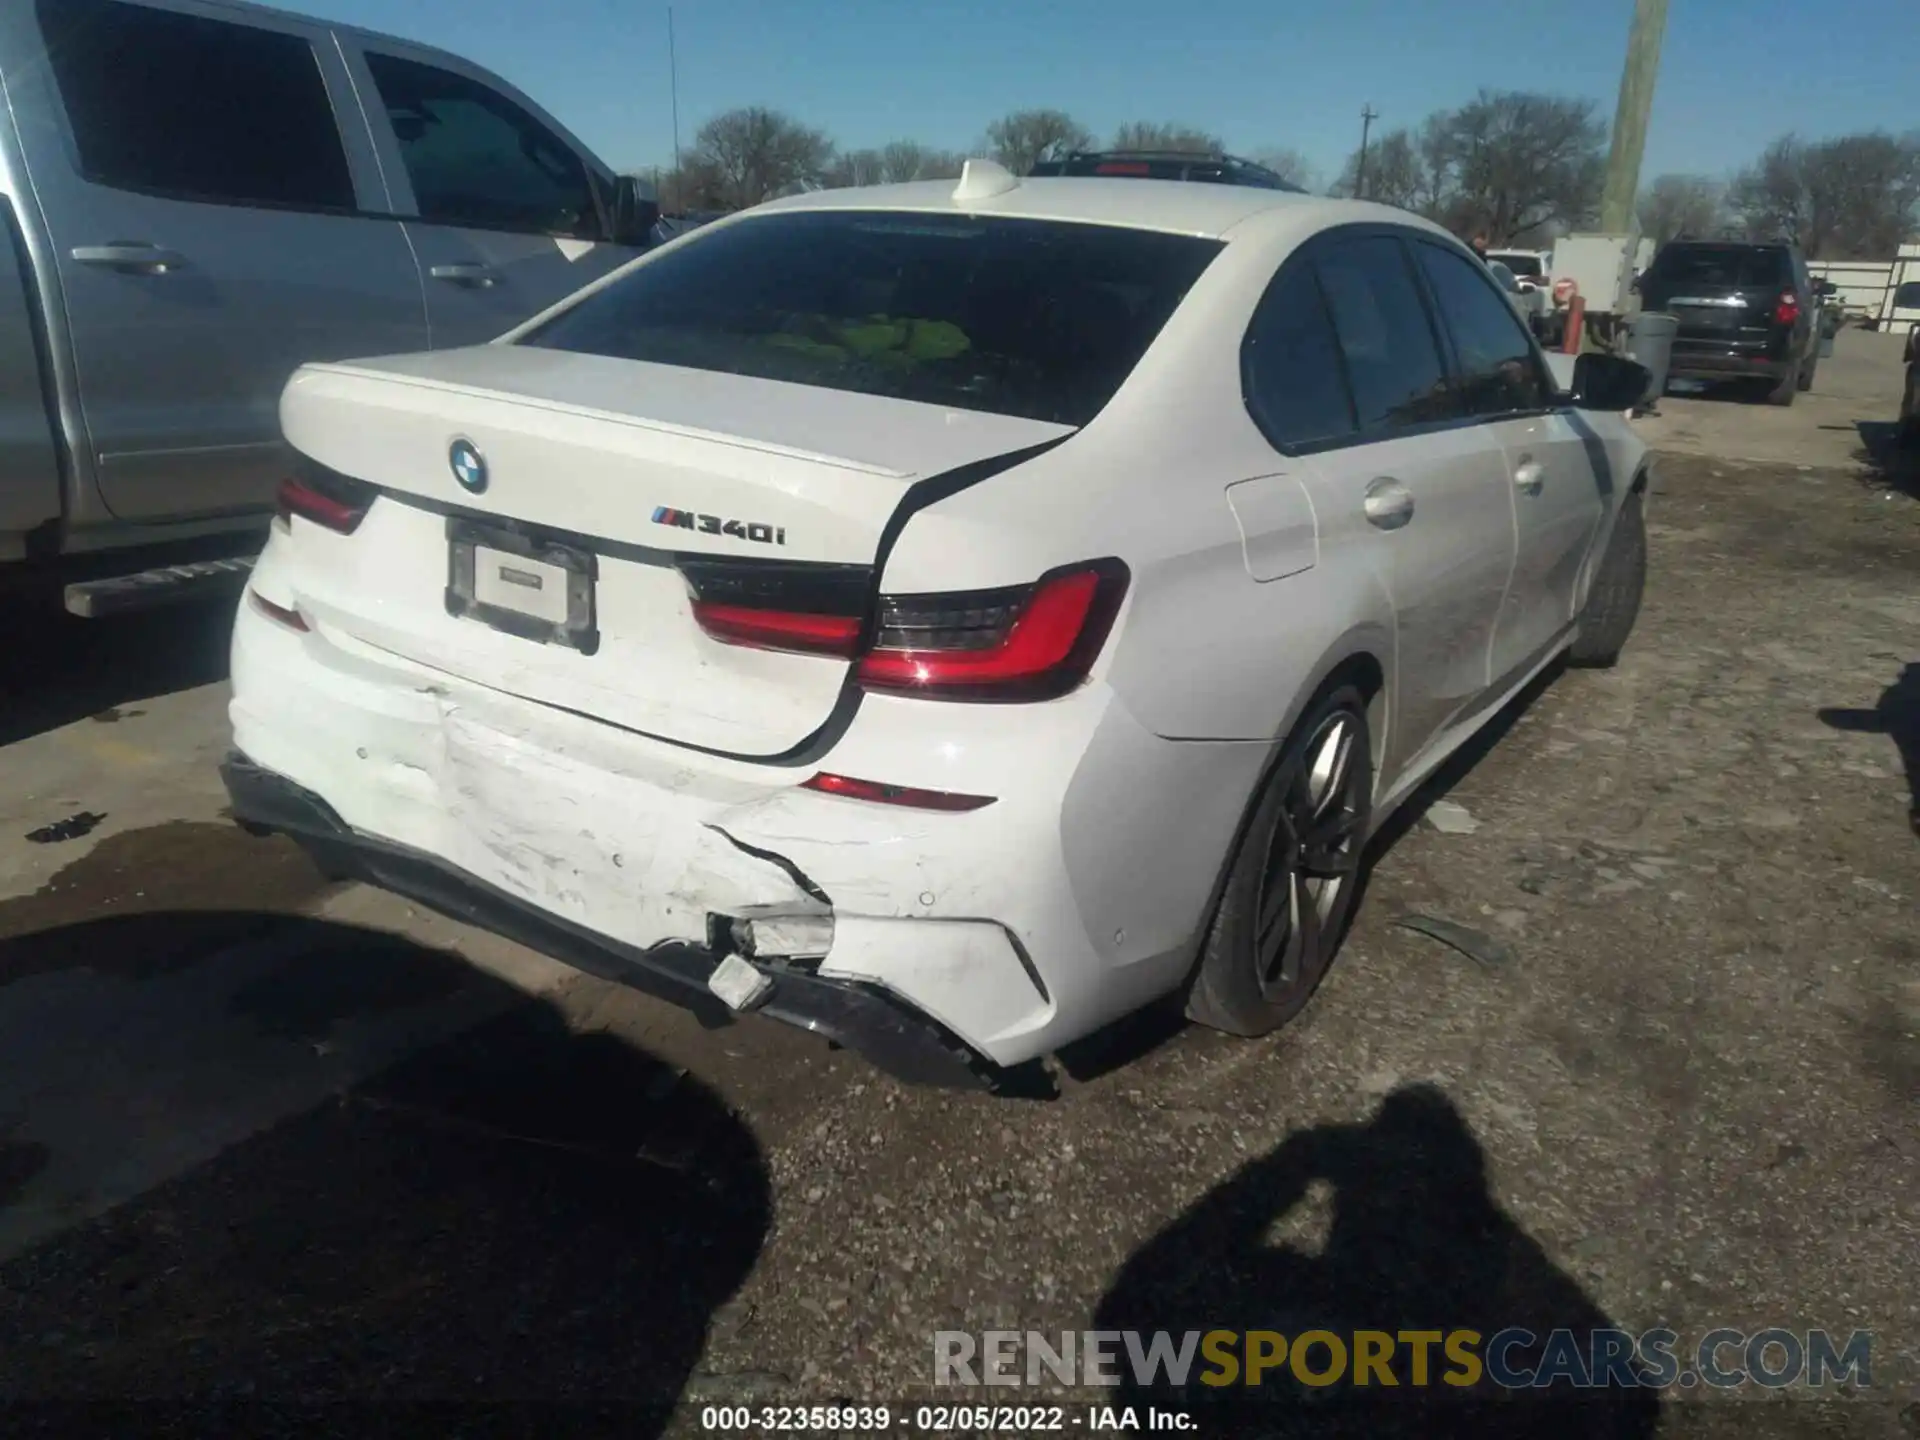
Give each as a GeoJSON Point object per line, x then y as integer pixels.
{"type": "Point", "coordinates": [334, 504]}
{"type": "Point", "coordinates": [292, 619]}
{"type": "Point", "coordinates": [1033, 642]}
{"type": "Point", "coordinates": [906, 795]}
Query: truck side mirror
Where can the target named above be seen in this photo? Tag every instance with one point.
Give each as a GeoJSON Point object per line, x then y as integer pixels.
{"type": "Point", "coordinates": [635, 213]}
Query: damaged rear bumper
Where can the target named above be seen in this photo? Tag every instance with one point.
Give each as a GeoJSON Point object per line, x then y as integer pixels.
{"type": "Point", "coordinates": [863, 1017]}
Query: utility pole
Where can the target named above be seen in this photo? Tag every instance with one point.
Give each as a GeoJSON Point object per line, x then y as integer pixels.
{"type": "Point", "coordinates": [673, 89]}
{"type": "Point", "coordinates": [1367, 116]}
{"type": "Point", "coordinates": [1630, 118]}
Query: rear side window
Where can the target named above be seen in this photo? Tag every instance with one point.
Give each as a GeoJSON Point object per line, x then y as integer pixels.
{"type": "Point", "coordinates": [202, 109]}
{"type": "Point", "coordinates": [1036, 318]}
{"type": "Point", "coordinates": [1499, 372]}
{"type": "Point", "coordinates": [477, 159]}
{"type": "Point", "coordinates": [1290, 363]}
{"type": "Point", "coordinates": [1380, 318]}
{"type": "Point", "coordinates": [1722, 266]}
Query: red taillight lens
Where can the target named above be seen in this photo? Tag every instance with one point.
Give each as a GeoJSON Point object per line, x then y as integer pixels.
{"type": "Point", "coordinates": [1787, 310]}
{"type": "Point", "coordinates": [779, 629]}
{"type": "Point", "coordinates": [340, 511]}
{"type": "Point", "coordinates": [851, 789]}
{"type": "Point", "coordinates": [778, 604]}
{"type": "Point", "coordinates": [1030, 643]}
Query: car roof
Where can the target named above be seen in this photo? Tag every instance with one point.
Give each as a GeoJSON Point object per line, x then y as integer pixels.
{"type": "Point", "coordinates": [1176, 206]}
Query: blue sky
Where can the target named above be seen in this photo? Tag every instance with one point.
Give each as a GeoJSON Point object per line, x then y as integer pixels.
{"type": "Point", "coordinates": [1735, 73]}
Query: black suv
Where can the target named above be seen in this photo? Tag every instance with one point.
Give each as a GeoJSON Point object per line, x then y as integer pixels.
{"type": "Point", "coordinates": [1167, 165]}
{"type": "Point", "coordinates": [1744, 311]}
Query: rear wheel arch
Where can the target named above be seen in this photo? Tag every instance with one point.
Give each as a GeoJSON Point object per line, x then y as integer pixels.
{"type": "Point", "coordinates": [1358, 665]}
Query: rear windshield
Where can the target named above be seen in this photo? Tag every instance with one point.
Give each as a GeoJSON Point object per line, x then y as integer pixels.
{"type": "Point", "coordinates": [1035, 318]}
{"type": "Point", "coordinates": [1729, 266]}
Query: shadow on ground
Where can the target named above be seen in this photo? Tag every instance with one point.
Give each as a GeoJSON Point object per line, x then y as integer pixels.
{"type": "Point", "coordinates": [1890, 463]}
{"type": "Point", "coordinates": [521, 1214]}
{"type": "Point", "coordinates": [1897, 716]}
{"type": "Point", "coordinates": [1383, 1226]}
{"type": "Point", "coordinates": [55, 668]}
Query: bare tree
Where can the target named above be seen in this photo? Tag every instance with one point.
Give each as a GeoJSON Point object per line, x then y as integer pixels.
{"type": "Point", "coordinates": [1510, 165]}
{"type": "Point", "coordinates": [753, 154]}
{"type": "Point", "coordinates": [1290, 165]}
{"type": "Point", "coordinates": [1145, 135]}
{"type": "Point", "coordinates": [1518, 162]}
{"type": "Point", "coordinates": [1026, 137]}
{"type": "Point", "coordinates": [1396, 173]}
{"type": "Point", "coordinates": [1675, 205]}
{"type": "Point", "coordinates": [1852, 197]}
{"type": "Point", "coordinates": [894, 163]}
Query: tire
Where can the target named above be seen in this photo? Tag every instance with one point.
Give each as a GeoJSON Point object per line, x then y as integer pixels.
{"type": "Point", "coordinates": [1322, 789]}
{"type": "Point", "coordinates": [1613, 599]}
{"type": "Point", "coordinates": [1782, 394]}
{"type": "Point", "coordinates": [1805, 381]}
{"type": "Point", "coordinates": [1909, 433]}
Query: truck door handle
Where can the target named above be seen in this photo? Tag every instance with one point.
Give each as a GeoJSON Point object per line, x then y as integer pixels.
{"type": "Point", "coordinates": [1389, 504]}
{"type": "Point", "coordinates": [1528, 477]}
{"type": "Point", "coordinates": [131, 255]}
{"type": "Point", "coordinates": [478, 277]}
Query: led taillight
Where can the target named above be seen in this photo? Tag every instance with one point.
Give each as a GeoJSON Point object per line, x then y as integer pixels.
{"type": "Point", "coordinates": [779, 629]}
{"type": "Point", "coordinates": [337, 510]}
{"type": "Point", "coordinates": [849, 788]}
{"type": "Point", "coordinates": [1787, 310]}
{"type": "Point", "coordinates": [1035, 642]}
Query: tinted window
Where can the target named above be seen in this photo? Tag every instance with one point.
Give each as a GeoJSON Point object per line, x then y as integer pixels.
{"type": "Point", "coordinates": [477, 159]}
{"type": "Point", "coordinates": [1036, 318]}
{"type": "Point", "coordinates": [1381, 321]}
{"type": "Point", "coordinates": [1498, 369]}
{"type": "Point", "coordinates": [1295, 389]}
{"type": "Point", "coordinates": [198, 108]}
{"type": "Point", "coordinates": [1722, 266]}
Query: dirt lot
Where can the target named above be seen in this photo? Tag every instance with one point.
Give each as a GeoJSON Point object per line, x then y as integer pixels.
{"type": "Point", "coordinates": [1686, 1095]}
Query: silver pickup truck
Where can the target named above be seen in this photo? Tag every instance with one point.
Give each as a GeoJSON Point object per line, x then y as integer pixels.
{"type": "Point", "coordinates": [199, 195]}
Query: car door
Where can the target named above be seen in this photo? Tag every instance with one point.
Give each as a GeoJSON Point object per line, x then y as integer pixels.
{"type": "Point", "coordinates": [1557, 486]}
{"type": "Point", "coordinates": [206, 210]}
{"type": "Point", "coordinates": [1416, 491]}
{"type": "Point", "coordinates": [506, 213]}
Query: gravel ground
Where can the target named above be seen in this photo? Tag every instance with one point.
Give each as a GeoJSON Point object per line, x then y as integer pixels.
{"type": "Point", "coordinates": [1681, 1090]}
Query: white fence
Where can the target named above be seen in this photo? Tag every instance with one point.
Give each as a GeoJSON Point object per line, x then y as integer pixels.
{"type": "Point", "coordinates": [1866, 286]}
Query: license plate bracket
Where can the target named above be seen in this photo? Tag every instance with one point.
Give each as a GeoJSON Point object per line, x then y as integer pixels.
{"type": "Point", "coordinates": [522, 583]}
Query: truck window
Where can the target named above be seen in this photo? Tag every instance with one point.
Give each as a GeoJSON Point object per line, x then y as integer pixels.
{"type": "Point", "coordinates": [200, 109]}
{"type": "Point", "coordinates": [476, 159]}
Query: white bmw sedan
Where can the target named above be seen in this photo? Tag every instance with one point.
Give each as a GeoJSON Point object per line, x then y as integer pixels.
{"type": "Point", "coordinates": [943, 617]}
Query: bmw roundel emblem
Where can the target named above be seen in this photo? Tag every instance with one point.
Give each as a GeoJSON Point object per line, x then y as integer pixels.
{"type": "Point", "coordinates": [468, 466]}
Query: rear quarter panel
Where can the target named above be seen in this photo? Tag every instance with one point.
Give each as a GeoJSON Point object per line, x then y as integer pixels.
{"type": "Point", "coordinates": [1202, 650]}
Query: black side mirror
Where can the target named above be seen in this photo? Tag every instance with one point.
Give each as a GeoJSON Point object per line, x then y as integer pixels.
{"type": "Point", "coordinates": [635, 213]}
{"type": "Point", "coordinates": [1824, 288]}
{"type": "Point", "coordinates": [1609, 382]}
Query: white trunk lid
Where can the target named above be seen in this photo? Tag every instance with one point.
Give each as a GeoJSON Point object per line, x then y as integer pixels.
{"type": "Point", "coordinates": [630, 464]}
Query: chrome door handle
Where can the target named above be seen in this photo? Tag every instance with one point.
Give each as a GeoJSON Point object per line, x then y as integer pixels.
{"type": "Point", "coordinates": [130, 255]}
{"type": "Point", "coordinates": [1389, 504]}
{"type": "Point", "coordinates": [1528, 477]}
{"type": "Point", "coordinates": [479, 277]}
